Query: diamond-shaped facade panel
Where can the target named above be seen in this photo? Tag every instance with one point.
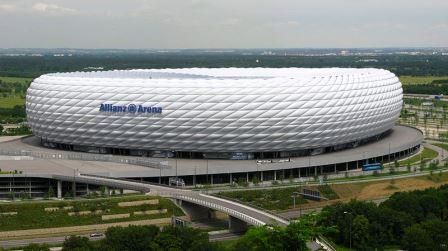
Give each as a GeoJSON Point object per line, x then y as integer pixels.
{"type": "Point", "coordinates": [214, 110]}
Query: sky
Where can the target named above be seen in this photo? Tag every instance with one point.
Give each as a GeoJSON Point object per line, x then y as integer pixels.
{"type": "Point", "coordinates": [187, 24]}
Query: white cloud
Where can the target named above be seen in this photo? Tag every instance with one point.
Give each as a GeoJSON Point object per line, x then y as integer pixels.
{"type": "Point", "coordinates": [7, 7]}
{"type": "Point", "coordinates": [53, 9]}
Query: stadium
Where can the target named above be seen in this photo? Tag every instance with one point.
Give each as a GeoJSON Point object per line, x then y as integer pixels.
{"type": "Point", "coordinates": [224, 113]}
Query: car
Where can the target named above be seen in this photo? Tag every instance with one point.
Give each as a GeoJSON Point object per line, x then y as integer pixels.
{"type": "Point", "coordinates": [96, 235]}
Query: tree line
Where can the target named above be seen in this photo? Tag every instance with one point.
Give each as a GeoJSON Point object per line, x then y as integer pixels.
{"type": "Point", "coordinates": [436, 87]}
{"type": "Point", "coordinates": [148, 238]}
{"type": "Point", "coordinates": [29, 66]}
{"type": "Point", "coordinates": [416, 220]}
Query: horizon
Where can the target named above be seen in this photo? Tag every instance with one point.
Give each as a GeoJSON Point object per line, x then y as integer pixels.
{"type": "Point", "coordinates": [197, 24]}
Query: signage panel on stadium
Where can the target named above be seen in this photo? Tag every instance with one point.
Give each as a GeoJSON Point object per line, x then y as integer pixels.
{"type": "Point", "coordinates": [131, 108]}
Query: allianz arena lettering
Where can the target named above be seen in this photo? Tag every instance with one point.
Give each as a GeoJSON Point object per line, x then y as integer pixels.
{"type": "Point", "coordinates": [131, 108]}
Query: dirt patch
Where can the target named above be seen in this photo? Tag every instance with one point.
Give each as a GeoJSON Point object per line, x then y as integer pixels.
{"type": "Point", "coordinates": [382, 189]}
{"type": "Point", "coordinates": [346, 191]}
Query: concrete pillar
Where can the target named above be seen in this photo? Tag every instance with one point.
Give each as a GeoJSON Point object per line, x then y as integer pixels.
{"type": "Point", "coordinates": [236, 225]}
{"type": "Point", "coordinates": [275, 175]}
{"type": "Point", "coordinates": [321, 170]}
{"type": "Point", "coordinates": [335, 168]}
{"type": "Point", "coordinates": [107, 191]}
{"type": "Point", "coordinates": [194, 180]}
{"type": "Point", "coordinates": [247, 177]}
{"type": "Point", "coordinates": [315, 171]}
{"type": "Point", "coordinates": [87, 189]}
{"type": "Point", "coordinates": [74, 189]}
{"type": "Point", "coordinates": [230, 178]}
{"type": "Point", "coordinates": [211, 179]}
{"type": "Point", "coordinates": [261, 176]}
{"type": "Point", "coordinates": [59, 189]}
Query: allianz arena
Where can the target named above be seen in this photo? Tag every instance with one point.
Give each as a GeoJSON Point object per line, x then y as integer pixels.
{"type": "Point", "coordinates": [230, 113]}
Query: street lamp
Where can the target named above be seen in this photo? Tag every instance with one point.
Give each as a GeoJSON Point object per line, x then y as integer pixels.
{"type": "Point", "coordinates": [294, 195]}
{"type": "Point", "coordinates": [345, 212]}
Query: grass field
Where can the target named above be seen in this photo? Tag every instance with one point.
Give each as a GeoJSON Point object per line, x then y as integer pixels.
{"type": "Point", "coordinates": [275, 199]}
{"type": "Point", "coordinates": [10, 102]}
{"type": "Point", "coordinates": [15, 79]}
{"type": "Point", "coordinates": [13, 100]}
{"type": "Point", "coordinates": [426, 154]}
{"type": "Point", "coordinates": [406, 80]}
{"type": "Point", "coordinates": [441, 145]}
{"type": "Point", "coordinates": [32, 215]}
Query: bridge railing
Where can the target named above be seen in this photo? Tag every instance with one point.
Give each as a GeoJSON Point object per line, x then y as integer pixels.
{"type": "Point", "coordinates": [246, 218]}
{"type": "Point", "coordinates": [139, 161]}
{"type": "Point", "coordinates": [138, 181]}
{"type": "Point", "coordinates": [254, 206]}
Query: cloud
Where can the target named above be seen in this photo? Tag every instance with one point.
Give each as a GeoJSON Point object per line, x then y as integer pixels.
{"type": "Point", "coordinates": [53, 9]}
{"type": "Point", "coordinates": [231, 21]}
{"type": "Point", "coordinates": [7, 7]}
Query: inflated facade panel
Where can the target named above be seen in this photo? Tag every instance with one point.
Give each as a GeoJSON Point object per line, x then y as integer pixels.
{"type": "Point", "coordinates": [214, 110]}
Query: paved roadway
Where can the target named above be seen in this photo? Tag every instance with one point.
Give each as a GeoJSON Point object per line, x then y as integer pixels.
{"type": "Point", "coordinates": [60, 239]}
{"type": "Point", "coordinates": [401, 138]}
{"type": "Point", "coordinates": [46, 240]}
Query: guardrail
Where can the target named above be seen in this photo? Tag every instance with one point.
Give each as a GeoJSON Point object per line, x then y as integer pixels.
{"type": "Point", "coordinates": [138, 181]}
{"type": "Point", "coordinates": [246, 218]}
{"type": "Point", "coordinates": [324, 243]}
{"type": "Point", "coordinates": [139, 161]}
{"type": "Point", "coordinates": [253, 206]}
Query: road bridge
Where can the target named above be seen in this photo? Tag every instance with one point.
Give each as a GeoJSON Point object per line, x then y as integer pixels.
{"type": "Point", "coordinates": [196, 202]}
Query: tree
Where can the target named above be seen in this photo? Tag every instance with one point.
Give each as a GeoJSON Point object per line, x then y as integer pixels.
{"type": "Point", "coordinates": [132, 238]}
{"type": "Point", "coordinates": [76, 243]}
{"type": "Point", "coordinates": [181, 238]}
{"type": "Point", "coordinates": [360, 232]}
{"type": "Point", "coordinates": [103, 190]}
{"type": "Point", "coordinates": [50, 193]}
{"type": "Point", "coordinates": [36, 247]}
{"type": "Point", "coordinates": [242, 182]}
{"type": "Point", "coordinates": [292, 237]}
{"type": "Point", "coordinates": [416, 238]}
{"type": "Point", "coordinates": [255, 180]}
{"type": "Point", "coordinates": [422, 166]}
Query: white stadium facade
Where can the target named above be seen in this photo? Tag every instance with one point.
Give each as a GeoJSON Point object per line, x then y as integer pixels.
{"type": "Point", "coordinates": [217, 113]}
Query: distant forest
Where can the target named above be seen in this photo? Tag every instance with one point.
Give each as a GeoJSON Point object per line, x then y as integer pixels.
{"type": "Point", "coordinates": [32, 66]}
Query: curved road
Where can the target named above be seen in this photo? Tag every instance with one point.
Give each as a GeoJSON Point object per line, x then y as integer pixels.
{"type": "Point", "coordinates": [243, 212]}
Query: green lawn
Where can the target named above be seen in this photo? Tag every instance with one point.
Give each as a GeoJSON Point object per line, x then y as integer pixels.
{"type": "Point", "coordinates": [13, 99]}
{"type": "Point", "coordinates": [274, 199]}
{"type": "Point", "coordinates": [10, 102]}
{"type": "Point", "coordinates": [441, 145]}
{"type": "Point", "coordinates": [31, 214]}
{"type": "Point", "coordinates": [270, 199]}
{"type": "Point", "coordinates": [426, 154]}
{"type": "Point", "coordinates": [15, 79]}
{"type": "Point", "coordinates": [405, 80]}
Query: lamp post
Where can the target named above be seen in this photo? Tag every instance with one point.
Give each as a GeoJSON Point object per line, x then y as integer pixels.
{"type": "Point", "coordinates": [345, 212]}
{"type": "Point", "coordinates": [294, 195]}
